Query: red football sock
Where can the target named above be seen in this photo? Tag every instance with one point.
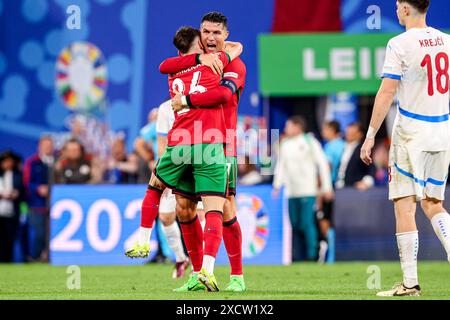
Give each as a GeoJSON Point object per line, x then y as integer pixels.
{"type": "Point", "coordinates": [232, 237]}
{"type": "Point", "coordinates": [193, 239]}
{"type": "Point", "coordinates": [150, 207]}
{"type": "Point", "coordinates": [213, 232]}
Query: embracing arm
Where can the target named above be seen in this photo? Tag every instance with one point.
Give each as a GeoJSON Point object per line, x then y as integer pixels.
{"type": "Point", "coordinates": [177, 64]}
{"type": "Point", "coordinates": [211, 98]}
{"type": "Point", "coordinates": [180, 63]}
{"type": "Point", "coordinates": [233, 49]}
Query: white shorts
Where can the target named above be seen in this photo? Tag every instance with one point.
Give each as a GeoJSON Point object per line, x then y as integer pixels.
{"type": "Point", "coordinates": [168, 202]}
{"type": "Point", "coordinates": [417, 173]}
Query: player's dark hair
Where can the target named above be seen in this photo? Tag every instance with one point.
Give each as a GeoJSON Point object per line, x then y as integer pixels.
{"type": "Point", "coordinates": [420, 5]}
{"type": "Point", "coordinates": [184, 37]}
{"type": "Point", "coordinates": [336, 126]}
{"type": "Point", "coordinates": [299, 121]}
{"type": "Point", "coordinates": [216, 17]}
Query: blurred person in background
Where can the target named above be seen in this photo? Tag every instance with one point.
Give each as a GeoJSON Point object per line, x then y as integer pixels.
{"type": "Point", "coordinates": [75, 166]}
{"type": "Point", "coordinates": [123, 167]}
{"type": "Point", "coordinates": [301, 161]}
{"type": "Point", "coordinates": [146, 147]}
{"type": "Point", "coordinates": [352, 171]}
{"type": "Point", "coordinates": [36, 176]}
{"type": "Point", "coordinates": [333, 148]}
{"type": "Point", "coordinates": [248, 173]}
{"type": "Point", "coordinates": [381, 163]}
{"type": "Point", "coordinates": [11, 194]}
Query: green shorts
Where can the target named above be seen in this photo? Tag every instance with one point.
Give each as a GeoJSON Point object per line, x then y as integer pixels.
{"type": "Point", "coordinates": [232, 174]}
{"type": "Point", "coordinates": [194, 171]}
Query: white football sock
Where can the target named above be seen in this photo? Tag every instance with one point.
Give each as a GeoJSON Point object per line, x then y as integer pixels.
{"type": "Point", "coordinates": [441, 226]}
{"type": "Point", "coordinates": [408, 247]}
{"type": "Point", "coordinates": [208, 263]}
{"type": "Point", "coordinates": [173, 236]}
{"type": "Point", "coordinates": [144, 235]}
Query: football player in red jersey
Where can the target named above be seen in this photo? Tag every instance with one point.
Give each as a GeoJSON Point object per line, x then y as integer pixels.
{"type": "Point", "coordinates": [196, 134]}
{"type": "Point", "coordinates": [214, 32]}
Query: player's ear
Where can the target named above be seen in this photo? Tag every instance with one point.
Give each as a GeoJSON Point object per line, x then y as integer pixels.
{"type": "Point", "coordinates": [227, 33]}
{"type": "Point", "coordinates": [406, 10]}
{"type": "Point", "coordinates": [200, 44]}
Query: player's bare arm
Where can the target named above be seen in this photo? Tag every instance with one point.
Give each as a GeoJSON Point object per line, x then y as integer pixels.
{"type": "Point", "coordinates": [383, 102]}
{"type": "Point", "coordinates": [233, 49]}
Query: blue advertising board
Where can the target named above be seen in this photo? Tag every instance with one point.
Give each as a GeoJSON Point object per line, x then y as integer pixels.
{"type": "Point", "coordinates": [92, 225]}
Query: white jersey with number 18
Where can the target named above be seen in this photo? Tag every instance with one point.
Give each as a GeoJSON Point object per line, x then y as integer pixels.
{"type": "Point", "coordinates": [419, 58]}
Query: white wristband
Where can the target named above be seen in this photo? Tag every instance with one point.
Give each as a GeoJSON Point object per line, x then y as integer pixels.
{"type": "Point", "coordinates": [183, 101]}
{"type": "Point", "coordinates": [371, 133]}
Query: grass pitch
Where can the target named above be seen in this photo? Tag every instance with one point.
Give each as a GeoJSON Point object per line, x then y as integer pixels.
{"type": "Point", "coordinates": [299, 281]}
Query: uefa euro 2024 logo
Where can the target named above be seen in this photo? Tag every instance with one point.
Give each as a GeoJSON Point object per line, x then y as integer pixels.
{"type": "Point", "coordinates": [254, 216]}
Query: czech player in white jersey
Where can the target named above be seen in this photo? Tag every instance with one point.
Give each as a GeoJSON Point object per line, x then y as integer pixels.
{"type": "Point", "coordinates": [168, 203]}
{"type": "Point", "coordinates": [417, 70]}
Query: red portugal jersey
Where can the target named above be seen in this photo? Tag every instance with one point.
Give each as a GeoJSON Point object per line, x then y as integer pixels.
{"type": "Point", "coordinates": [235, 72]}
{"type": "Point", "coordinates": [197, 125]}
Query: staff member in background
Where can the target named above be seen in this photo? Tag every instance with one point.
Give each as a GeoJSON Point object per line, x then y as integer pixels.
{"type": "Point", "coordinates": [11, 193]}
{"type": "Point", "coordinates": [352, 171]}
{"type": "Point", "coordinates": [36, 178]}
{"type": "Point", "coordinates": [301, 159]}
{"type": "Point", "coordinates": [75, 166]}
{"type": "Point", "coordinates": [334, 148]}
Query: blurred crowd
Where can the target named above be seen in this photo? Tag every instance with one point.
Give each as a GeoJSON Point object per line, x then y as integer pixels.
{"type": "Point", "coordinates": [25, 184]}
{"type": "Point", "coordinates": [310, 168]}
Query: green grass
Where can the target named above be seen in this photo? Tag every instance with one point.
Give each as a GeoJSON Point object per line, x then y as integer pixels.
{"type": "Point", "coordinates": [298, 281]}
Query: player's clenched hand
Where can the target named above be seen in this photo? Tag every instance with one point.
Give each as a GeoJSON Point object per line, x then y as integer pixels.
{"type": "Point", "coordinates": [366, 151]}
{"type": "Point", "coordinates": [176, 102]}
{"type": "Point", "coordinates": [213, 61]}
